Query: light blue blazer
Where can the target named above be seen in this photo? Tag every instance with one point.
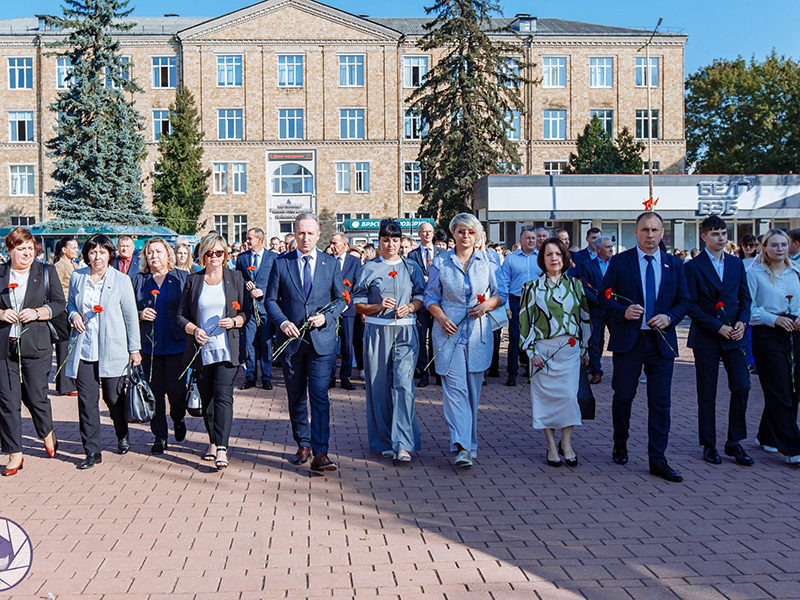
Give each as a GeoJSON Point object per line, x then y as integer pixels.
{"type": "Point", "coordinates": [119, 322]}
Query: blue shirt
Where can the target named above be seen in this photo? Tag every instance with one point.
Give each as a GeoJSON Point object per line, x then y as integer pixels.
{"type": "Point", "coordinates": [603, 265]}
{"type": "Point", "coordinates": [518, 268]}
{"type": "Point", "coordinates": [169, 339]}
{"type": "Point", "coordinates": [643, 270]}
{"type": "Point", "coordinates": [719, 265]}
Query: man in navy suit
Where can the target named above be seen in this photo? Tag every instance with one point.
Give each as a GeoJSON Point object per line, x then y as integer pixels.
{"type": "Point", "coordinates": [588, 253]}
{"type": "Point", "coordinates": [349, 270]}
{"type": "Point", "coordinates": [720, 312]}
{"type": "Point", "coordinates": [127, 260]}
{"type": "Point", "coordinates": [302, 282]}
{"type": "Point", "coordinates": [645, 293]}
{"type": "Point", "coordinates": [423, 255]}
{"type": "Point", "coordinates": [256, 266]}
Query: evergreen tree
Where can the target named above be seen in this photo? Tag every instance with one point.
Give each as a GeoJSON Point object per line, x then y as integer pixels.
{"type": "Point", "coordinates": [180, 184]}
{"type": "Point", "coordinates": [99, 144]}
{"type": "Point", "coordinates": [466, 100]}
{"type": "Point", "coordinates": [598, 154]}
{"type": "Point", "coordinates": [630, 153]}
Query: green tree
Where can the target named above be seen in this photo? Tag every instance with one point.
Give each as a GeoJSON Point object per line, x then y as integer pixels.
{"type": "Point", "coordinates": [99, 144]}
{"type": "Point", "coordinates": [180, 184]}
{"type": "Point", "coordinates": [597, 153]}
{"type": "Point", "coordinates": [630, 153]}
{"type": "Point", "coordinates": [744, 118]}
{"type": "Point", "coordinates": [467, 101]}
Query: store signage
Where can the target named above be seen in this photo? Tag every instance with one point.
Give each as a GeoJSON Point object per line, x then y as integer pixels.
{"type": "Point", "coordinates": [280, 156]}
{"type": "Point", "coordinates": [288, 210]}
{"type": "Point", "coordinates": [721, 197]}
{"type": "Point", "coordinates": [375, 224]}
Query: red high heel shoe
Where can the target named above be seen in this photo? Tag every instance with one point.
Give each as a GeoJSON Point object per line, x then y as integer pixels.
{"type": "Point", "coordinates": [51, 452]}
{"type": "Point", "coordinates": [8, 472]}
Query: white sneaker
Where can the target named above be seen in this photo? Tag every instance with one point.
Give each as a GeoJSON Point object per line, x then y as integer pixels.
{"type": "Point", "coordinates": [361, 375]}
{"type": "Point", "coordinates": [643, 379]}
{"type": "Point", "coordinates": [766, 448]}
{"type": "Point", "coordinates": [793, 460]}
{"type": "Point", "coordinates": [473, 454]}
{"type": "Point", "coordinates": [463, 459]}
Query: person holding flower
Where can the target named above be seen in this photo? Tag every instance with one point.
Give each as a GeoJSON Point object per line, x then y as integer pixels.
{"type": "Point", "coordinates": [388, 293]}
{"type": "Point", "coordinates": [461, 290]}
{"type": "Point", "coordinates": [774, 283]}
{"type": "Point", "coordinates": [158, 288]}
{"type": "Point", "coordinates": [66, 251]}
{"type": "Point", "coordinates": [555, 329]}
{"type": "Point", "coordinates": [26, 351]}
{"type": "Point", "coordinates": [211, 314]}
{"type": "Point", "coordinates": [102, 309]}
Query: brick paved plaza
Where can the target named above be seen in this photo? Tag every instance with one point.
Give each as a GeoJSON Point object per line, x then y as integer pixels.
{"type": "Point", "coordinates": [139, 526]}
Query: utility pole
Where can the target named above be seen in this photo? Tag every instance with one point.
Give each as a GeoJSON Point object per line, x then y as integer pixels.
{"type": "Point", "coordinates": [647, 73]}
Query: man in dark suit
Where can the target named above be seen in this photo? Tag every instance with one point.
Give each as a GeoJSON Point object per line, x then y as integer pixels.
{"type": "Point", "coordinates": [644, 291]}
{"type": "Point", "coordinates": [349, 271]}
{"type": "Point", "coordinates": [255, 266]}
{"type": "Point", "coordinates": [720, 312]}
{"type": "Point", "coordinates": [588, 253]}
{"type": "Point", "coordinates": [127, 260]}
{"type": "Point", "coordinates": [302, 282]}
{"type": "Point", "coordinates": [423, 255]}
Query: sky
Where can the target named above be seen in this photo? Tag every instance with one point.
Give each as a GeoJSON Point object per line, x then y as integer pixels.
{"type": "Point", "coordinates": [716, 28]}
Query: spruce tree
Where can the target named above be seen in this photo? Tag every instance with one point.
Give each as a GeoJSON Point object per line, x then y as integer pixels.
{"type": "Point", "coordinates": [466, 100]}
{"type": "Point", "coordinates": [180, 183]}
{"type": "Point", "coordinates": [598, 154]}
{"type": "Point", "coordinates": [99, 144]}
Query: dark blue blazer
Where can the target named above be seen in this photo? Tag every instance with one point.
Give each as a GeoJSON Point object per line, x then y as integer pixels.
{"type": "Point", "coordinates": [706, 290]}
{"type": "Point", "coordinates": [589, 272]}
{"type": "Point", "coordinates": [581, 256]}
{"type": "Point", "coordinates": [417, 256]}
{"type": "Point", "coordinates": [134, 269]}
{"type": "Point", "coordinates": [260, 278]}
{"type": "Point", "coordinates": [286, 301]}
{"type": "Point", "coordinates": [625, 279]}
{"type": "Point", "coordinates": [351, 272]}
{"type": "Point", "coordinates": [170, 297]}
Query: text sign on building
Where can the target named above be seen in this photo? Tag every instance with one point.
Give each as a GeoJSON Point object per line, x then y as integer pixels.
{"type": "Point", "coordinates": [721, 197]}
{"type": "Point", "coordinates": [283, 156]}
{"type": "Point", "coordinates": [375, 224]}
{"type": "Point", "coordinates": [288, 210]}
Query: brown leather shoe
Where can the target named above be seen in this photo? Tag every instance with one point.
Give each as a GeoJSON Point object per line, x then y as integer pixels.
{"type": "Point", "coordinates": [321, 462]}
{"type": "Point", "coordinates": [596, 379]}
{"type": "Point", "coordinates": [302, 455]}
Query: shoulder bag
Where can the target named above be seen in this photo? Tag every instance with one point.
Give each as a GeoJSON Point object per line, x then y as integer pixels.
{"type": "Point", "coordinates": [58, 323]}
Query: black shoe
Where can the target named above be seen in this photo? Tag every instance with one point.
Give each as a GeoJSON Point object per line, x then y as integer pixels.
{"type": "Point", "coordinates": [664, 471]}
{"type": "Point", "coordinates": [348, 385]}
{"type": "Point", "coordinates": [266, 385]}
{"type": "Point", "coordinates": [91, 460]}
{"type": "Point", "coordinates": [179, 430]}
{"type": "Point", "coordinates": [710, 455]}
{"type": "Point", "coordinates": [438, 380]}
{"type": "Point", "coordinates": [124, 445]}
{"type": "Point", "coordinates": [494, 373]}
{"type": "Point", "coordinates": [511, 381]}
{"type": "Point", "coordinates": [571, 462]}
{"type": "Point", "coordinates": [331, 384]}
{"type": "Point", "coordinates": [620, 453]}
{"type": "Point", "coordinates": [247, 385]}
{"type": "Point", "coordinates": [423, 382]}
{"type": "Point", "coordinates": [158, 447]}
{"type": "Point", "coordinates": [737, 452]}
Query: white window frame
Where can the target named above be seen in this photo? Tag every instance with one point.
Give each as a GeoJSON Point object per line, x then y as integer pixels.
{"type": "Point", "coordinates": [606, 117]}
{"type": "Point", "coordinates": [19, 180]}
{"type": "Point", "coordinates": [415, 68]}
{"type": "Point", "coordinates": [230, 70]}
{"type": "Point", "coordinates": [221, 225]}
{"type": "Point", "coordinates": [125, 58]}
{"type": "Point", "coordinates": [413, 126]}
{"type": "Point", "coordinates": [554, 124]}
{"type": "Point", "coordinates": [305, 178]}
{"type": "Point", "coordinates": [515, 121]}
{"type": "Point", "coordinates": [239, 176]}
{"type": "Point", "coordinates": [511, 66]}
{"type": "Point", "coordinates": [555, 167]}
{"type": "Point", "coordinates": [362, 169]}
{"type": "Point", "coordinates": [290, 70]}
{"type": "Point", "coordinates": [641, 123]}
{"type": "Point", "coordinates": [351, 70]}
{"type": "Point", "coordinates": [20, 73]}
{"type": "Point", "coordinates": [22, 220]}
{"type": "Point", "coordinates": [601, 74]}
{"type": "Point", "coordinates": [554, 71]}
{"type": "Point", "coordinates": [230, 117]}
{"type": "Point", "coordinates": [352, 124]}
{"type": "Point", "coordinates": [13, 126]}
{"type": "Point", "coordinates": [412, 177]}
{"type": "Point", "coordinates": [220, 177]}
{"type": "Point", "coordinates": [239, 227]}
{"type": "Point", "coordinates": [160, 116]}
{"type": "Point", "coordinates": [158, 71]}
{"type": "Point", "coordinates": [342, 177]}
{"type": "Point", "coordinates": [656, 165]}
{"type": "Point", "coordinates": [641, 71]}
{"type": "Point", "coordinates": [291, 123]}
{"type": "Point", "coordinates": [63, 69]}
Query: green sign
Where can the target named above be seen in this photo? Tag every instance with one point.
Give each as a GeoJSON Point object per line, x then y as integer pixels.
{"type": "Point", "coordinates": [375, 224]}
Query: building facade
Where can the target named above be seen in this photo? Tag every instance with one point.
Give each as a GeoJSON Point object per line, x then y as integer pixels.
{"type": "Point", "coordinates": [304, 106]}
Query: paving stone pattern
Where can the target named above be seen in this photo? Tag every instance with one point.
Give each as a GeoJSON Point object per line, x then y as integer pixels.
{"type": "Point", "coordinates": [146, 527]}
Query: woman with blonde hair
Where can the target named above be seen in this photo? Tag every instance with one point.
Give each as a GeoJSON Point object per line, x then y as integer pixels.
{"type": "Point", "coordinates": [183, 258]}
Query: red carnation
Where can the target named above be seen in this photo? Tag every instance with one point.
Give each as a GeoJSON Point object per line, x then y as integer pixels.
{"type": "Point", "coordinates": [788, 296]}
{"type": "Point", "coordinates": [608, 294]}
{"type": "Point", "coordinates": [346, 296]}
{"type": "Point", "coordinates": [347, 283]}
{"type": "Point", "coordinates": [13, 286]}
{"type": "Point", "coordinates": [392, 273]}
{"type": "Point", "coordinates": [155, 292]}
{"type": "Point", "coordinates": [251, 268]}
{"type": "Point", "coordinates": [97, 308]}
{"type": "Point", "coordinates": [719, 305]}
{"type": "Point", "coordinates": [481, 299]}
{"type": "Point", "coordinates": [236, 305]}
{"type": "Point", "coordinates": [572, 342]}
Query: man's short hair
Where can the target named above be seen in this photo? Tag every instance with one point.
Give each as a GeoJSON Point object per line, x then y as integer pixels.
{"type": "Point", "coordinates": [122, 238]}
{"type": "Point", "coordinates": [305, 216]}
{"type": "Point", "coordinates": [258, 232]}
{"type": "Point", "coordinates": [794, 235]}
{"type": "Point", "coordinates": [647, 215]}
{"type": "Point", "coordinates": [542, 228]}
{"type": "Point", "coordinates": [439, 236]}
{"type": "Point", "coordinates": [713, 222]}
{"type": "Point", "coordinates": [592, 231]}
{"type": "Point", "coordinates": [602, 240]}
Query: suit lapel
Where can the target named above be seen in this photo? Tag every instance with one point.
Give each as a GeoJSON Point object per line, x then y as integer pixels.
{"type": "Point", "coordinates": [293, 265]}
{"type": "Point", "coordinates": [667, 274]}
{"type": "Point", "coordinates": [34, 277]}
{"type": "Point", "coordinates": [5, 297]}
{"type": "Point", "coordinates": [323, 263]}
{"type": "Point", "coordinates": [708, 270]}
{"type": "Point", "coordinates": [636, 273]}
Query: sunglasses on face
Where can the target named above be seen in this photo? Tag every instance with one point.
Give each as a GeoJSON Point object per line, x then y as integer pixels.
{"type": "Point", "coordinates": [215, 253]}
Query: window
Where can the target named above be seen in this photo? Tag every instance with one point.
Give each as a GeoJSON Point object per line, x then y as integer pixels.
{"type": "Point", "coordinates": [292, 179]}
{"type": "Point", "coordinates": [554, 167]}
{"type": "Point", "coordinates": [239, 181]}
{"type": "Point", "coordinates": [21, 126]}
{"type": "Point", "coordinates": [340, 219]}
{"type": "Point", "coordinates": [165, 72]}
{"type": "Point", "coordinates": [290, 123]}
{"type": "Point", "coordinates": [641, 72]}
{"type": "Point", "coordinates": [555, 125]}
{"type": "Point", "coordinates": [513, 120]}
{"type": "Point", "coordinates": [362, 177]}
{"type": "Point", "coordinates": [641, 124]}
{"type": "Point", "coordinates": [414, 128]}
{"type": "Point", "coordinates": [63, 68]}
{"type": "Point", "coordinates": [221, 225]}
{"type": "Point", "coordinates": [229, 71]}
{"type": "Point", "coordinates": [601, 72]}
{"type": "Point", "coordinates": [414, 69]}
{"type": "Point", "coordinates": [342, 177]}
{"type": "Point", "coordinates": [160, 124]}
{"type": "Point", "coordinates": [230, 123]}
{"type": "Point", "coordinates": [20, 73]}
{"type": "Point", "coordinates": [554, 71]}
{"type": "Point", "coordinates": [22, 221]}
{"type": "Point", "coordinates": [351, 124]}
{"type": "Point", "coordinates": [511, 70]}
{"type": "Point", "coordinates": [656, 168]}
{"type": "Point", "coordinates": [220, 178]}
{"type": "Point", "coordinates": [290, 71]}
{"type": "Point", "coordinates": [413, 177]}
{"type": "Point", "coordinates": [124, 74]}
{"type": "Point", "coordinates": [606, 118]}
{"type": "Point", "coordinates": [351, 71]}
{"type": "Point", "coordinates": [21, 180]}
{"type": "Point", "coordinates": [239, 228]}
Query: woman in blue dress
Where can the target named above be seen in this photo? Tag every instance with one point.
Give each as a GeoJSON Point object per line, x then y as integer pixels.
{"type": "Point", "coordinates": [388, 293]}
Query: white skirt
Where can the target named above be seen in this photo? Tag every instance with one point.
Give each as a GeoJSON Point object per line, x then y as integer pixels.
{"type": "Point", "coordinates": [554, 389]}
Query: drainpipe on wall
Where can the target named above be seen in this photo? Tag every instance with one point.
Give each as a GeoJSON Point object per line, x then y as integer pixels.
{"type": "Point", "coordinates": [39, 120]}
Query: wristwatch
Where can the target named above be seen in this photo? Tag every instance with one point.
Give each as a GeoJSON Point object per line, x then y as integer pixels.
{"type": "Point", "coordinates": [36, 310]}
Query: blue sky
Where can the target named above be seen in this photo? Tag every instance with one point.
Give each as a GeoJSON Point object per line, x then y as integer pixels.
{"type": "Point", "coordinates": [716, 28]}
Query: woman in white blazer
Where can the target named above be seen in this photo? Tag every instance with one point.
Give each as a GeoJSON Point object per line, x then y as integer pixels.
{"type": "Point", "coordinates": [102, 310]}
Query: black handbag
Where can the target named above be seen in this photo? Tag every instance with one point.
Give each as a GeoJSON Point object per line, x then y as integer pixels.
{"type": "Point", "coordinates": [58, 323]}
{"type": "Point", "coordinates": [194, 407]}
{"type": "Point", "coordinates": [585, 395]}
{"type": "Point", "coordinates": [140, 403]}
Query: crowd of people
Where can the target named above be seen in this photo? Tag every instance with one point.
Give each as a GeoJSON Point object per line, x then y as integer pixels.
{"type": "Point", "coordinates": [405, 314]}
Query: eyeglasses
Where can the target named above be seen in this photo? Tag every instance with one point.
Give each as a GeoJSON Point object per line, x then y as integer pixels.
{"type": "Point", "coordinates": [215, 253]}
{"type": "Point", "coordinates": [749, 245]}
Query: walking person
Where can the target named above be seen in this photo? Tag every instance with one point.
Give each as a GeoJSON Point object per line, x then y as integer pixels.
{"type": "Point", "coordinates": [67, 252]}
{"type": "Point", "coordinates": [350, 271]}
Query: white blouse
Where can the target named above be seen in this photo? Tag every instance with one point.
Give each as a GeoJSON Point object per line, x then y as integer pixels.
{"type": "Point", "coordinates": [771, 298]}
{"type": "Point", "coordinates": [92, 296]}
{"type": "Point", "coordinates": [211, 308]}
{"type": "Point", "coordinates": [17, 297]}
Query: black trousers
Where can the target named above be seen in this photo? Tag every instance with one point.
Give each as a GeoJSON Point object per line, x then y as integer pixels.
{"type": "Point", "coordinates": [345, 349]}
{"type": "Point", "coordinates": [64, 384]}
{"type": "Point", "coordinates": [424, 329]}
{"type": "Point", "coordinates": [165, 383]}
{"type": "Point", "coordinates": [494, 368]}
{"type": "Point", "coordinates": [706, 365]}
{"type": "Point", "coordinates": [515, 358]}
{"type": "Point", "coordinates": [215, 385]}
{"type": "Point", "coordinates": [32, 392]}
{"type": "Point", "coordinates": [358, 342]}
{"type": "Point", "coordinates": [89, 383]}
{"type": "Point", "coordinates": [773, 356]}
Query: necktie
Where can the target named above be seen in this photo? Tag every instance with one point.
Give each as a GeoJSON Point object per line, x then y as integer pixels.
{"type": "Point", "coordinates": [255, 261]}
{"type": "Point", "coordinates": [307, 276]}
{"type": "Point", "coordinates": [341, 262]}
{"type": "Point", "coordinates": [649, 289]}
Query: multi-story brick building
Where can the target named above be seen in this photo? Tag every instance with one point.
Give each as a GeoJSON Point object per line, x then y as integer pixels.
{"type": "Point", "coordinates": [304, 106]}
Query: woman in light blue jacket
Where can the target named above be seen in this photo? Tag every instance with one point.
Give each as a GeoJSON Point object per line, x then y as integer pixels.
{"type": "Point", "coordinates": [102, 310]}
{"type": "Point", "coordinates": [461, 290]}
